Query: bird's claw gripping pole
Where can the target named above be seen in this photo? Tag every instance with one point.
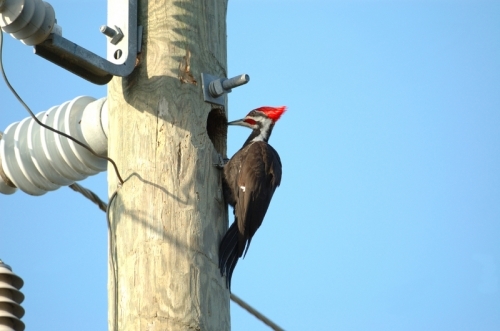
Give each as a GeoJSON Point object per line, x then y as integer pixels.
{"type": "Point", "coordinates": [222, 161]}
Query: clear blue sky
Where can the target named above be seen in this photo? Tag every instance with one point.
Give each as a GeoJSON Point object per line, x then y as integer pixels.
{"type": "Point", "coordinates": [388, 216]}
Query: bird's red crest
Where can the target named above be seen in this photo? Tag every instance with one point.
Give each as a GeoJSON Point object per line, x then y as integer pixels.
{"type": "Point", "coordinates": [273, 113]}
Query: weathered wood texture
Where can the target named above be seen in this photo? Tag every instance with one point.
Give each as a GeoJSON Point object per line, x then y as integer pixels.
{"type": "Point", "coordinates": [169, 216]}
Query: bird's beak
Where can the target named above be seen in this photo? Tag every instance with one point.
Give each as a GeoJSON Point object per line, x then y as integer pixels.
{"type": "Point", "coordinates": [238, 122]}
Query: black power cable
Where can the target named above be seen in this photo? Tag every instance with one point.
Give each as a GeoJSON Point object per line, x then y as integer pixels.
{"type": "Point", "coordinates": [46, 126]}
{"type": "Point", "coordinates": [92, 196]}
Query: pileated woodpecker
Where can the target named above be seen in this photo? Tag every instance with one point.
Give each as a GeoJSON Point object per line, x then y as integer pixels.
{"type": "Point", "coordinates": [249, 180]}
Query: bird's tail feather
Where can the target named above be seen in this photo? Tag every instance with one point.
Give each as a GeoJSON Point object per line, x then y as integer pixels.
{"type": "Point", "coordinates": [228, 253]}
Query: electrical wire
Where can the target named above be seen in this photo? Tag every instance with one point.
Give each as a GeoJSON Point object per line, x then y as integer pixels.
{"type": "Point", "coordinates": [76, 187]}
{"type": "Point", "coordinates": [105, 207]}
{"type": "Point", "coordinates": [255, 313]}
{"type": "Point", "coordinates": [111, 238]}
{"type": "Point", "coordinates": [89, 195]}
{"type": "Point", "coordinates": [46, 126]}
{"type": "Point", "coordinates": [112, 255]}
{"type": "Point", "coordinates": [234, 298]}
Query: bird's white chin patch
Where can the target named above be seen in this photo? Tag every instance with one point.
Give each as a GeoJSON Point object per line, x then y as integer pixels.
{"type": "Point", "coordinates": [242, 188]}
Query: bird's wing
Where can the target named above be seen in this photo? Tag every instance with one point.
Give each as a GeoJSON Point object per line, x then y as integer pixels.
{"type": "Point", "coordinates": [258, 178]}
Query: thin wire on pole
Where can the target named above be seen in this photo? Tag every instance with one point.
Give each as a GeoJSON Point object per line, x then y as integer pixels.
{"type": "Point", "coordinates": [103, 206]}
{"type": "Point", "coordinates": [89, 195]}
{"type": "Point", "coordinates": [255, 313]}
{"type": "Point", "coordinates": [28, 109]}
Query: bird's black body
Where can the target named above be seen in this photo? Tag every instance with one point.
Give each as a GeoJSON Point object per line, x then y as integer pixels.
{"type": "Point", "coordinates": [249, 180]}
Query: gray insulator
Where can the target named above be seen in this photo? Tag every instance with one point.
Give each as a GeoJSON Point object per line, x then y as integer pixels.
{"type": "Point", "coordinates": [6, 186]}
{"type": "Point", "coordinates": [30, 21]}
{"type": "Point", "coordinates": [11, 311]}
{"type": "Point", "coordinates": [37, 160]}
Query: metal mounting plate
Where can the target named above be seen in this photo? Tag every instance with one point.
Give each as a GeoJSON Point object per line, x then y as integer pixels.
{"type": "Point", "coordinates": [123, 14]}
{"type": "Point", "coordinates": [121, 57]}
{"type": "Point", "coordinates": [206, 79]}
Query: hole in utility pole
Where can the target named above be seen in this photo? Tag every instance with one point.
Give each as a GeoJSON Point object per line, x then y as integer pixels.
{"type": "Point", "coordinates": [217, 129]}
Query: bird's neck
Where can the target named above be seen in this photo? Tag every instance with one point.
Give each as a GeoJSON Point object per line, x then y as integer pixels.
{"type": "Point", "coordinates": [260, 134]}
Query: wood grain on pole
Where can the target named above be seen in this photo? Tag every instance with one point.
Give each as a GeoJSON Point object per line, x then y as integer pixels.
{"type": "Point", "coordinates": [169, 216]}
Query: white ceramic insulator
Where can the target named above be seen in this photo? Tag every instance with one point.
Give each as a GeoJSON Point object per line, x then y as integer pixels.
{"type": "Point", "coordinates": [30, 21]}
{"type": "Point", "coordinates": [5, 188]}
{"type": "Point", "coordinates": [38, 160]}
{"type": "Point", "coordinates": [5, 184]}
{"type": "Point", "coordinates": [10, 300]}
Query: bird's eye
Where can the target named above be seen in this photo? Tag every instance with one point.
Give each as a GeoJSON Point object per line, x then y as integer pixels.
{"type": "Point", "coordinates": [250, 121]}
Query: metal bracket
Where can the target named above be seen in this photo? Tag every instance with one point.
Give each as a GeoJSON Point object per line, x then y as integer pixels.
{"type": "Point", "coordinates": [121, 55]}
{"type": "Point", "coordinates": [214, 87]}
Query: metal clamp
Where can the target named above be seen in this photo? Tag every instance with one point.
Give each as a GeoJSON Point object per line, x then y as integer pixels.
{"type": "Point", "coordinates": [214, 87]}
{"type": "Point", "coordinates": [121, 51]}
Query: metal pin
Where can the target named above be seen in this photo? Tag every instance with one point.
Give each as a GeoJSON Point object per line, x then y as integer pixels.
{"type": "Point", "coordinates": [220, 86]}
{"type": "Point", "coordinates": [215, 87]}
{"type": "Point", "coordinates": [108, 31]}
{"type": "Point", "coordinates": [228, 84]}
{"type": "Point", "coordinates": [115, 34]}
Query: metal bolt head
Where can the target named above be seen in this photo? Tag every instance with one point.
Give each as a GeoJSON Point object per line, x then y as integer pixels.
{"type": "Point", "coordinates": [118, 54]}
{"type": "Point", "coordinates": [215, 88]}
{"type": "Point", "coordinates": [115, 34]}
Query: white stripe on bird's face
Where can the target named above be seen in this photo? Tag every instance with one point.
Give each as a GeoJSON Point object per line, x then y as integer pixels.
{"type": "Point", "coordinates": [265, 125]}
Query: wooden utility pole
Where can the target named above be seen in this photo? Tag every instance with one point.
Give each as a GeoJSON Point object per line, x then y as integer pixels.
{"type": "Point", "coordinates": [169, 216]}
